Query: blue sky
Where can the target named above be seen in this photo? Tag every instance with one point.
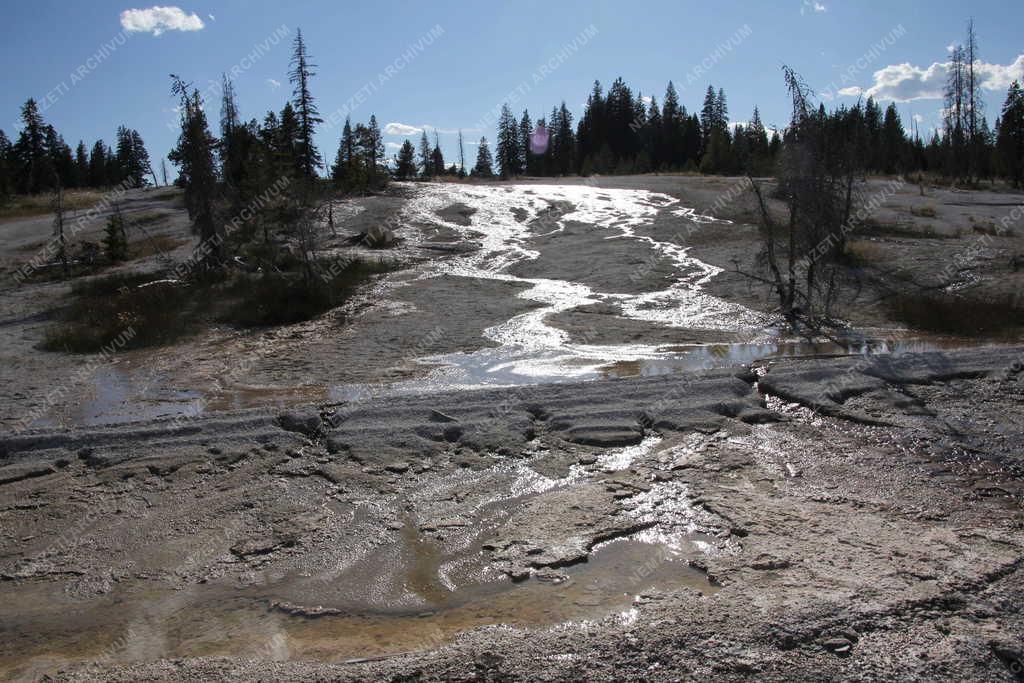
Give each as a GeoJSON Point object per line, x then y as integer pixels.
{"type": "Point", "coordinates": [453, 63]}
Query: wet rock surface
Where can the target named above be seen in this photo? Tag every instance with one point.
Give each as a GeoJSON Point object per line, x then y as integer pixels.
{"type": "Point", "coordinates": [234, 547]}
{"type": "Point", "coordinates": [339, 509]}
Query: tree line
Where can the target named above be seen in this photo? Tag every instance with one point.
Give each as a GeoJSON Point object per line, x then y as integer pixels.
{"type": "Point", "coordinates": [41, 161]}
{"type": "Point", "coordinates": [620, 133]}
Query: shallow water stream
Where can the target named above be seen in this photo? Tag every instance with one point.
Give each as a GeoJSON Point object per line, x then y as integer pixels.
{"type": "Point", "coordinates": [514, 226]}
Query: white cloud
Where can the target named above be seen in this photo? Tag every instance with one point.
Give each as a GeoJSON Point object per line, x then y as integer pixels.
{"type": "Point", "coordinates": [906, 82]}
{"type": "Point", "coordinates": [408, 129]}
{"type": "Point", "coordinates": [392, 145]}
{"type": "Point", "coordinates": [453, 131]}
{"type": "Point", "coordinates": [812, 6]}
{"type": "Point", "coordinates": [918, 118]}
{"type": "Point", "coordinates": [274, 83]}
{"type": "Point", "coordinates": [212, 18]}
{"type": "Point", "coordinates": [157, 20]}
{"type": "Point", "coordinates": [852, 91]}
{"type": "Point", "coordinates": [401, 129]}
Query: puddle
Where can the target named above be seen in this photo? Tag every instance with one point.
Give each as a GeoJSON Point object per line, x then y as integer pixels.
{"type": "Point", "coordinates": [126, 391]}
{"type": "Point", "coordinates": [681, 359]}
{"type": "Point", "coordinates": [206, 620]}
{"type": "Point", "coordinates": [122, 393]}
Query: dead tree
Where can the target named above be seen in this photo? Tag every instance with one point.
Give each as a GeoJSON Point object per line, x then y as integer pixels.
{"type": "Point", "coordinates": [58, 228]}
{"type": "Point", "coordinates": [802, 250]}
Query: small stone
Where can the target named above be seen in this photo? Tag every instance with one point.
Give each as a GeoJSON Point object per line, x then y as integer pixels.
{"type": "Point", "coordinates": [397, 467]}
{"type": "Point", "coordinates": [489, 660]}
{"type": "Point", "coordinates": [552, 577]}
{"type": "Point", "coordinates": [519, 573]}
{"type": "Point", "coordinates": [767, 562]}
{"type": "Point", "coordinates": [837, 645]}
{"type": "Point", "coordinates": [307, 423]}
{"type": "Point", "coordinates": [336, 445]}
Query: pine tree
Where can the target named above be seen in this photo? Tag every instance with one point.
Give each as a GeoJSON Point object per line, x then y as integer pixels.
{"type": "Point", "coordinates": [508, 143]}
{"type": "Point", "coordinates": [757, 144]}
{"type": "Point", "coordinates": [873, 120]}
{"type": "Point", "coordinates": [708, 113]}
{"type": "Point", "coordinates": [425, 154]}
{"type": "Point", "coordinates": [132, 158]}
{"type": "Point", "coordinates": [550, 167]}
{"type": "Point", "coordinates": [956, 114]}
{"type": "Point", "coordinates": [289, 142]}
{"type": "Point", "coordinates": [375, 148]}
{"type": "Point", "coordinates": [721, 110]}
{"type": "Point", "coordinates": [115, 240]}
{"type": "Point", "coordinates": [740, 157]}
{"type": "Point", "coordinates": [34, 167]}
{"type": "Point", "coordinates": [308, 116]}
{"type": "Point", "coordinates": [619, 115]}
{"type": "Point", "coordinates": [893, 138]}
{"type": "Point", "coordinates": [61, 159]}
{"type": "Point", "coordinates": [81, 164]}
{"type": "Point", "coordinates": [757, 133]}
{"type": "Point", "coordinates": [642, 162]}
{"type": "Point", "coordinates": [652, 136]}
{"type": "Point", "coordinates": [718, 155]}
{"type": "Point", "coordinates": [405, 161]}
{"type": "Point", "coordinates": [343, 162]}
{"type": "Point", "coordinates": [985, 150]}
{"type": "Point", "coordinates": [1010, 138]}
{"type": "Point", "coordinates": [674, 124]}
{"type": "Point", "coordinates": [114, 171]}
{"type": "Point", "coordinates": [484, 163]}
{"type": "Point", "coordinates": [563, 142]}
{"type": "Point", "coordinates": [98, 165]}
{"type": "Point", "coordinates": [123, 151]}
{"type": "Point", "coordinates": [339, 170]}
{"type": "Point", "coordinates": [229, 123]}
{"type": "Point", "coordinates": [270, 130]}
{"type": "Point", "coordinates": [359, 177]}
{"type": "Point", "coordinates": [437, 158]}
{"type": "Point", "coordinates": [193, 155]}
{"type": "Point", "coordinates": [590, 133]}
{"type": "Point", "coordinates": [526, 163]}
